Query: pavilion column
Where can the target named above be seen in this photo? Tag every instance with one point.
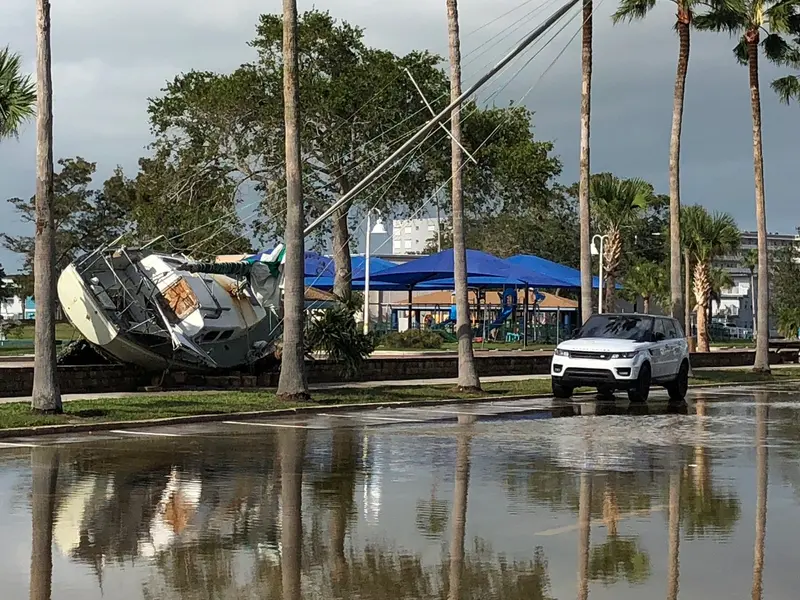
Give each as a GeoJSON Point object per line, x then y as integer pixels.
{"type": "Point", "coordinates": [410, 308]}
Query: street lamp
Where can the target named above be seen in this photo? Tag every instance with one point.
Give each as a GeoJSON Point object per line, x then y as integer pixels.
{"type": "Point", "coordinates": [379, 228]}
{"type": "Point", "coordinates": [596, 252]}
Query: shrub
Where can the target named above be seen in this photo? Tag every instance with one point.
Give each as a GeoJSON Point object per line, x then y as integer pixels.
{"type": "Point", "coordinates": [414, 338]}
{"type": "Point", "coordinates": [336, 333]}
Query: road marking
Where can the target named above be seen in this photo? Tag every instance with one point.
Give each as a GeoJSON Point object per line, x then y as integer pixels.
{"type": "Point", "coordinates": [17, 445]}
{"type": "Point", "coordinates": [374, 418]}
{"type": "Point", "coordinates": [286, 425]}
{"type": "Point", "coordinates": [450, 412]}
{"type": "Point", "coordinates": [153, 433]}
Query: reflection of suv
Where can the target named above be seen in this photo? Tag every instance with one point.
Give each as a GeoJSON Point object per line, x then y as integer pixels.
{"type": "Point", "coordinates": [623, 352]}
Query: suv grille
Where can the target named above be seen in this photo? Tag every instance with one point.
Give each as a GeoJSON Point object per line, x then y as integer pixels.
{"type": "Point", "coordinates": [591, 355]}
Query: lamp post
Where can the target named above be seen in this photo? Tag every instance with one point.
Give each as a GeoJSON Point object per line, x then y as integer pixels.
{"type": "Point", "coordinates": [596, 252]}
{"type": "Point", "coordinates": [379, 228]}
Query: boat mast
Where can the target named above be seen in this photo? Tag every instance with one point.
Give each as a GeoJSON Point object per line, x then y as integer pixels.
{"type": "Point", "coordinates": [442, 116]}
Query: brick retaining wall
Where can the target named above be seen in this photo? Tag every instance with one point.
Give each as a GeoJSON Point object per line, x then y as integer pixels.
{"type": "Point", "coordinates": [18, 380]}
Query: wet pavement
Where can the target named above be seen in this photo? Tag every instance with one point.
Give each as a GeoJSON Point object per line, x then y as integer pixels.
{"type": "Point", "coordinates": [498, 500]}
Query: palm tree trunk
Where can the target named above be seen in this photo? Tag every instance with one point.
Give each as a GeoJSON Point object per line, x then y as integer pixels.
{"type": "Point", "coordinates": [762, 478]}
{"type": "Point", "coordinates": [753, 303]}
{"type": "Point", "coordinates": [701, 287]}
{"type": "Point", "coordinates": [46, 394]}
{"type": "Point", "coordinates": [684, 27]}
{"type": "Point", "coordinates": [674, 527]}
{"type": "Point", "coordinates": [343, 275]}
{"type": "Point", "coordinates": [646, 303]}
{"type": "Point", "coordinates": [292, 449]}
{"type": "Point", "coordinates": [687, 274]}
{"type": "Point", "coordinates": [460, 494]}
{"type": "Point", "coordinates": [467, 371]}
{"type": "Point", "coordinates": [292, 383]}
{"type": "Point", "coordinates": [584, 534]}
{"type": "Point", "coordinates": [762, 339]}
{"type": "Point", "coordinates": [583, 184]}
{"type": "Point", "coordinates": [613, 254]}
{"type": "Point", "coordinates": [44, 464]}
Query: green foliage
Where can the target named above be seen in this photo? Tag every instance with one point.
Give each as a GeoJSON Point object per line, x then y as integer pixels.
{"type": "Point", "coordinates": [706, 235]}
{"type": "Point", "coordinates": [750, 260]}
{"type": "Point", "coordinates": [618, 203]}
{"type": "Point", "coordinates": [648, 280]}
{"type": "Point", "coordinates": [619, 557]}
{"type": "Point", "coordinates": [420, 339]}
{"type": "Point", "coordinates": [17, 94]}
{"type": "Point", "coordinates": [785, 297]}
{"type": "Point", "coordinates": [336, 333]}
{"type": "Point", "coordinates": [84, 218]}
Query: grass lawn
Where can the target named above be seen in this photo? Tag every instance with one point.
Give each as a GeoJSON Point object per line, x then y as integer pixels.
{"type": "Point", "coordinates": [175, 405]}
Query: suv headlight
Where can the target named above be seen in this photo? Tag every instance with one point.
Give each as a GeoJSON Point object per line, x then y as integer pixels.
{"type": "Point", "coordinates": [624, 355]}
{"type": "Point", "coordinates": [560, 352]}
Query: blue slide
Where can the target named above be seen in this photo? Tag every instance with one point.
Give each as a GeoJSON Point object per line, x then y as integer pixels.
{"type": "Point", "coordinates": [504, 314]}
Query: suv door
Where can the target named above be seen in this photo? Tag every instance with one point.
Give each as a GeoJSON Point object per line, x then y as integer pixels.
{"type": "Point", "coordinates": [674, 346]}
{"type": "Point", "coordinates": [659, 350]}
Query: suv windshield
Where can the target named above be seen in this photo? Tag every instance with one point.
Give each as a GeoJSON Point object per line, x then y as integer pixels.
{"type": "Point", "coordinates": [618, 327]}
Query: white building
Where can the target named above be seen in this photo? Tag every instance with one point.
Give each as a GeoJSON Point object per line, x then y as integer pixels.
{"type": "Point", "coordinates": [14, 307]}
{"type": "Point", "coordinates": [411, 236]}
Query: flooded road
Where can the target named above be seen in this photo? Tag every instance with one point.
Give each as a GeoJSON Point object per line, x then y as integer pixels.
{"type": "Point", "coordinates": [505, 500]}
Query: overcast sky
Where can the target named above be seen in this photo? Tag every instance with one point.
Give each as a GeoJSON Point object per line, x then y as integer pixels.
{"type": "Point", "coordinates": [109, 56]}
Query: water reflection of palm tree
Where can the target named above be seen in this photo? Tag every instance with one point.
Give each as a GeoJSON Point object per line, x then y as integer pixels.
{"type": "Point", "coordinates": [291, 444]}
{"type": "Point", "coordinates": [459, 519]}
{"type": "Point", "coordinates": [762, 478]}
{"type": "Point", "coordinates": [584, 534]}
{"type": "Point", "coordinates": [44, 467]}
{"type": "Point", "coordinates": [674, 527]}
{"type": "Point", "coordinates": [617, 554]}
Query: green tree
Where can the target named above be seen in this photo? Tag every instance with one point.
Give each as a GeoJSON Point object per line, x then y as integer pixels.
{"type": "Point", "coordinates": [748, 19]}
{"type": "Point", "coordinates": [750, 262]}
{"type": "Point", "coordinates": [630, 10]}
{"type": "Point", "coordinates": [786, 290]}
{"type": "Point", "coordinates": [617, 204]}
{"type": "Point", "coordinates": [707, 236]}
{"type": "Point", "coordinates": [17, 94]}
{"type": "Point", "coordinates": [788, 87]}
{"type": "Point", "coordinates": [83, 218]}
{"type": "Point", "coordinates": [720, 280]}
{"type": "Point", "coordinates": [648, 280]}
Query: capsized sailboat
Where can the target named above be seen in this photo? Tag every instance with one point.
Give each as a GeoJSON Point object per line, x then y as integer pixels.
{"type": "Point", "coordinates": [160, 311]}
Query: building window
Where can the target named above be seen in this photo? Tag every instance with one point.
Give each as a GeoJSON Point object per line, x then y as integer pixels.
{"type": "Point", "coordinates": [407, 244]}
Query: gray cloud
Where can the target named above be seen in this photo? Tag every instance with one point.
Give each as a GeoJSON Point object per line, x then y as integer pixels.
{"type": "Point", "coordinates": [109, 57]}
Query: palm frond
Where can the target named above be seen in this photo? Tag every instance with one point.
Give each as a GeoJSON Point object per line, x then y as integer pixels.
{"type": "Point", "coordinates": [776, 49]}
{"type": "Point", "coordinates": [787, 88]}
{"type": "Point", "coordinates": [781, 15]}
{"type": "Point", "coordinates": [632, 10]}
{"type": "Point", "coordinates": [17, 94]}
{"type": "Point", "coordinates": [740, 52]}
{"type": "Point", "coordinates": [723, 17]}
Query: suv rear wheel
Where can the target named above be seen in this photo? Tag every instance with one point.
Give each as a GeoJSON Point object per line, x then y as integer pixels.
{"type": "Point", "coordinates": [641, 389]}
{"type": "Point", "coordinates": [678, 387]}
{"type": "Point", "coordinates": [561, 391]}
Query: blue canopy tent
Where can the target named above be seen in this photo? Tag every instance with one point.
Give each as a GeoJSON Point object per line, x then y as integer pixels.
{"type": "Point", "coordinates": [536, 263]}
{"type": "Point", "coordinates": [324, 280]}
{"type": "Point", "coordinates": [483, 270]}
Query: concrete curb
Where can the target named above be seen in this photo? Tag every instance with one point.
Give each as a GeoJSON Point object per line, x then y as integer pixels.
{"type": "Point", "coordinates": [42, 430]}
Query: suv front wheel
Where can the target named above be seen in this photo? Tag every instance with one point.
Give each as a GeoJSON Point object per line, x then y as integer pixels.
{"type": "Point", "coordinates": [641, 389]}
{"type": "Point", "coordinates": [561, 391]}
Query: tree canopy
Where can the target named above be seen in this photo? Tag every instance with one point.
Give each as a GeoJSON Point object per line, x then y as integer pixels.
{"type": "Point", "coordinates": [17, 94]}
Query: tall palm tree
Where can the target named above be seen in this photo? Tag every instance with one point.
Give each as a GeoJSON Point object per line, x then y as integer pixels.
{"type": "Point", "coordinates": [467, 371]}
{"type": "Point", "coordinates": [44, 465]}
{"type": "Point", "coordinates": [46, 396]}
{"type": "Point", "coordinates": [616, 203]}
{"type": "Point", "coordinates": [17, 94]}
{"type": "Point", "coordinates": [630, 10]}
{"type": "Point", "coordinates": [707, 237]}
{"type": "Point", "coordinates": [584, 163]}
{"type": "Point", "coordinates": [674, 528]}
{"type": "Point", "coordinates": [292, 384]}
{"type": "Point", "coordinates": [291, 446]}
{"type": "Point", "coordinates": [748, 19]}
{"type": "Point", "coordinates": [584, 533]}
{"type": "Point", "coordinates": [750, 262]}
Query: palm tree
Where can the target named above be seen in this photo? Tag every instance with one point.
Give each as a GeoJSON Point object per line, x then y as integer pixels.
{"type": "Point", "coordinates": [291, 446]}
{"type": "Point", "coordinates": [584, 533]}
{"type": "Point", "coordinates": [788, 87]}
{"type": "Point", "coordinates": [292, 384]}
{"type": "Point", "coordinates": [584, 163]}
{"type": "Point", "coordinates": [17, 94]}
{"type": "Point", "coordinates": [674, 528]}
{"type": "Point", "coordinates": [467, 372]}
{"type": "Point", "coordinates": [750, 262]}
{"type": "Point", "coordinates": [707, 237]}
{"type": "Point", "coordinates": [748, 18]}
{"type": "Point", "coordinates": [630, 10]}
{"type": "Point", "coordinates": [616, 203]}
{"type": "Point", "coordinates": [46, 396]}
{"type": "Point", "coordinates": [647, 280]}
{"type": "Point", "coordinates": [459, 520]}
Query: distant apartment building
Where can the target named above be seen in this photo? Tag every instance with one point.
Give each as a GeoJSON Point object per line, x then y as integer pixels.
{"type": "Point", "coordinates": [411, 236]}
{"type": "Point", "coordinates": [735, 305]}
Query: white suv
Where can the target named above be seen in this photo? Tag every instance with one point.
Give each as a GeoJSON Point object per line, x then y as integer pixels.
{"type": "Point", "coordinates": [623, 352]}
